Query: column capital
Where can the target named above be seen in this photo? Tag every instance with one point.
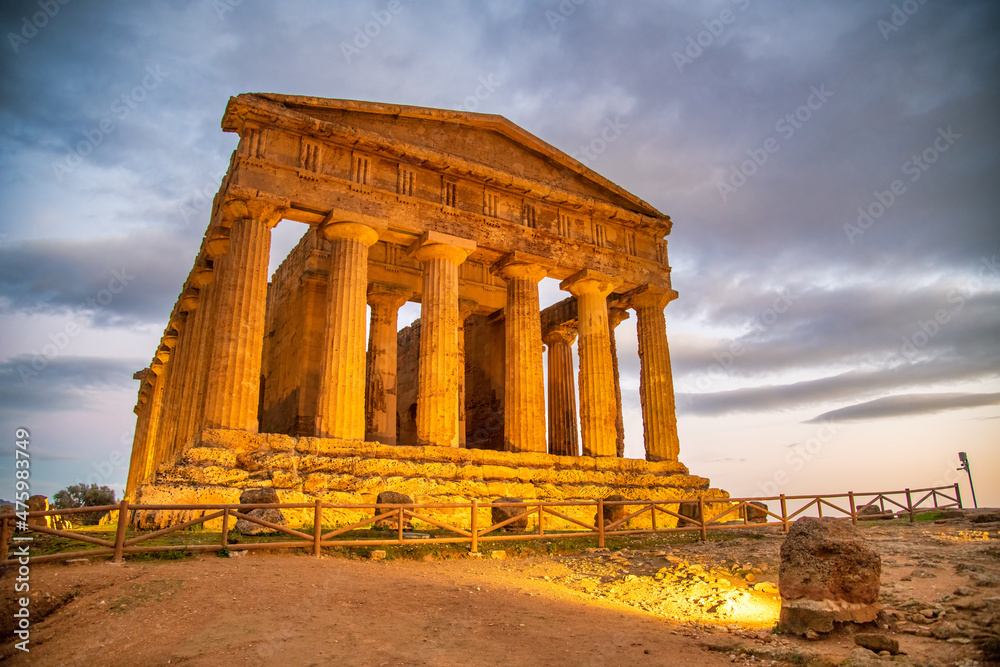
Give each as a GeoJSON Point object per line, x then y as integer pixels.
{"type": "Point", "coordinates": [465, 308]}
{"type": "Point", "coordinates": [648, 296]}
{"type": "Point", "coordinates": [388, 294]}
{"type": "Point", "coordinates": [565, 333]}
{"type": "Point", "coordinates": [242, 203]}
{"type": "Point", "coordinates": [201, 276]}
{"type": "Point", "coordinates": [353, 231]}
{"type": "Point", "coordinates": [589, 281]}
{"type": "Point", "coordinates": [432, 245]}
{"type": "Point", "coordinates": [524, 265]}
{"type": "Point", "coordinates": [617, 315]}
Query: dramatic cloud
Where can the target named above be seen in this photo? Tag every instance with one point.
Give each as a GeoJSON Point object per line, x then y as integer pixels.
{"type": "Point", "coordinates": [911, 404]}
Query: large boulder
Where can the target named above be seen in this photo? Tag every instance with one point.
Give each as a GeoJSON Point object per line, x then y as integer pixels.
{"type": "Point", "coordinates": [613, 513]}
{"type": "Point", "coordinates": [691, 511]}
{"type": "Point", "coordinates": [503, 513]}
{"type": "Point", "coordinates": [392, 498]}
{"type": "Point", "coordinates": [272, 514]}
{"type": "Point", "coordinates": [874, 512]}
{"type": "Point", "coordinates": [828, 575]}
{"type": "Point", "coordinates": [756, 512]}
{"type": "Point", "coordinates": [38, 503]}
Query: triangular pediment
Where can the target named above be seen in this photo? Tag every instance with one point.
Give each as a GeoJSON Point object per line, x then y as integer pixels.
{"type": "Point", "coordinates": [458, 137]}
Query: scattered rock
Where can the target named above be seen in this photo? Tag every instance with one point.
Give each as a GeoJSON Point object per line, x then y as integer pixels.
{"type": "Point", "coordinates": [498, 555]}
{"type": "Point", "coordinates": [503, 513]}
{"type": "Point", "coordinates": [986, 518]}
{"type": "Point", "coordinates": [376, 554]}
{"type": "Point", "coordinates": [828, 574]}
{"type": "Point", "coordinates": [877, 643]}
{"type": "Point", "coordinates": [945, 630]}
{"type": "Point", "coordinates": [756, 512]}
{"type": "Point", "coordinates": [391, 498]}
{"type": "Point", "coordinates": [271, 515]}
{"type": "Point", "coordinates": [922, 574]}
{"type": "Point", "coordinates": [38, 503]}
{"type": "Point", "coordinates": [985, 580]}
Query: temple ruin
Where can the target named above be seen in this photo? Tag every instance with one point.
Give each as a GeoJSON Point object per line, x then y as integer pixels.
{"type": "Point", "coordinates": [275, 384]}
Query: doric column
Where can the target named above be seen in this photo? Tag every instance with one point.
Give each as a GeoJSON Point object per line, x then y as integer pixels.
{"type": "Point", "coordinates": [151, 454]}
{"type": "Point", "coordinates": [465, 308]}
{"type": "Point", "coordinates": [192, 412]}
{"type": "Point", "coordinates": [170, 352]}
{"type": "Point", "coordinates": [597, 391]}
{"type": "Point", "coordinates": [615, 317]}
{"type": "Point", "coordinates": [437, 379]}
{"type": "Point", "coordinates": [656, 384]}
{"type": "Point", "coordinates": [341, 408]}
{"type": "Point", "coordinates": [233, 388]}
{"type": "Point", "coordinates": [380, 392]}
{"type": "Point", "coordinates": [563, 438]}
{"type": "Point", "coordinates": [524, 382]}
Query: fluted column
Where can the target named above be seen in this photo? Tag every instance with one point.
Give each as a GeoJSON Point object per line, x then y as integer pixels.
{"type": "Point", "coordinates": [656, 384]}
{"type": "Point", "coordinates": [170, 352]}
{"type": "Point", "coordinates": [597, 392]}
{"type": "Point", "coordinates": [341, 406]}
{"type": "Point", "coordinates": [465, 308]}
{"type": "Point", "coordinates": [233, 387]}
{"type": "Point", "coordinates": [380, 391]}
{"type": "Point", "coordinates": [563, 437]}
{"type": "Point", "coordinates": [151, 456]}
{"type": "Point", "coordinates": [524, 382]}
{"type": "Point", "coordinates": [437, 379]}
{"type": "Point", "coordinates": [192, 413]}
{"type": "Point", "coordinates": [615, 317]}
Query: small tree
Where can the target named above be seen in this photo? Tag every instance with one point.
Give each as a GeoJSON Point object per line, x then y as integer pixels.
{"type": "Point", "coordinates": [81, 495]}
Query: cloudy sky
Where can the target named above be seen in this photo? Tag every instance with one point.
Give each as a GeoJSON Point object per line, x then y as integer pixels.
{"type": "Point", "coordinates": [830, 168]}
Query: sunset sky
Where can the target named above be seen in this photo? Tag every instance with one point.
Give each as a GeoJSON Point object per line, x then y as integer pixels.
{"type": "Point", "coordinates": [831, 169]}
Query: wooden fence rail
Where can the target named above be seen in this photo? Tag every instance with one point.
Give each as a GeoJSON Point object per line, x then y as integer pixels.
{"type": "Point", "coordinates": [690, 515]}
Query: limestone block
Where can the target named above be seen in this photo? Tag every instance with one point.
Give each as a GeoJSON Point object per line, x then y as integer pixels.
{"type": "Point", "coordinates": [285, 479]}
{"type": "Point", "coordinates": [202, 456]}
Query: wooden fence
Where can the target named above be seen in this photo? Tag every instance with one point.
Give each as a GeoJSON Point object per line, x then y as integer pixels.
{"type": "Point", "coordinates": [690, 516]}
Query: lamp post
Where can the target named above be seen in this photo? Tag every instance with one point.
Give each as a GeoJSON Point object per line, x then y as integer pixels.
{"type": "Point", "coordinates": [965, 466]}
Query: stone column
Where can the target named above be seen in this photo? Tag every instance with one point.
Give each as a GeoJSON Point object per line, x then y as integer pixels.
{"type": "Point", "coordinates": [563, 438]}
{"type": "Point", "coordinates": [524, 382]}
{"type": "Point", "coordinates": [615, 317]}
{"type": "Point", "coordinates": [380, 391]}
{"type": "Point", "coordinates": [151, 453]}
{"type": "Point", "coordinates": [656, 384]}
{"type": "Point", "coordinates": [437, 379]}
{"type": "Point", "coordinates": [233, 388]}
{"type": "Point", "coordinates": [340, 411]}
{"type": "Point", "coordinates": [597, 391]}
{"type": "Point", "coordinates": [465, 308]}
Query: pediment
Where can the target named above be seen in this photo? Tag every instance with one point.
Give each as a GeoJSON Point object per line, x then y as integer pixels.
{"type": "Point", "coordinates": [457, 139]}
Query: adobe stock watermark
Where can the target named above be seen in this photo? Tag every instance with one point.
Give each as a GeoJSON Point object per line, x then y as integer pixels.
{"type": "Point", "coordinates": [914, 168]}
{"type": "Point", "coordinates": [119, 110]}
{"type": "Point", "coordinates": [58, 341]}
{"type": "Point", "coordinates": [798, 456]}
{"type": "Point", "coordinates": [30, 26]}
{"type": "Point", "coordinates": [487, 86]}
{"type": "Point", "coordinates": [565, 9]}
{"type": "Point", "coordinates": [926, 330]}
{"type": "Point", "coordinates": [608, 135]}
{"type": "Point", "coordinates": [704, 39]}
{"type": "Point", "coordinates": [786, 127]}
{"type": "Point", "coordinates": [200, 198]}
{"type": "Point", "coordinates": [898, 17]}
{"type": "Point", "coordinates": [223, 7]}
{"type": "Point", "coordinates": [370, 30]}
{"type": "Point", "coordinates": [726, 359]}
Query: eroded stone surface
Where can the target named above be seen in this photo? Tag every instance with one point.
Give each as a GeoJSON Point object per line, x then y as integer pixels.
{"type": "Point", "coordinates": [828, 575]}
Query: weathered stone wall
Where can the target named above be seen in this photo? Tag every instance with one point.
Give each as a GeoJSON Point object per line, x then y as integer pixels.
{"type": "Point", "coordinates": [407, 372]}
{"type": "Point", "coordinates": [484, 382]}
{"type": "Point", "coordinates": [223, 463]}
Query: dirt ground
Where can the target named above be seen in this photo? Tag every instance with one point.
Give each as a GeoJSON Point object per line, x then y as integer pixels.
{"type": "Point", "coordinates": [663, 601]}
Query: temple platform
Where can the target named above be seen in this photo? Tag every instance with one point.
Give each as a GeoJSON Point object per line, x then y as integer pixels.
{"type": "Point", "coordinates": [222, 463]}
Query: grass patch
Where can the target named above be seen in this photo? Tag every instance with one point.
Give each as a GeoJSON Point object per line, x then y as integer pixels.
{"type": "Point", "coordinates": [928, 516]}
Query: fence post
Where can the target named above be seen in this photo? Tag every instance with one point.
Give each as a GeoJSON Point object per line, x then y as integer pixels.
{"type": "Point", "coordinates": [474, 527]}
{"type": "Point", "coordinates": [958, 496]}
{"type": "Point", "coordinates": [541, 530]}
{"type": "Point", "coordinates": [784, 513]}
{"type": "Point", "coordinates": [854, 508]}
{"type": "Point", "coordinates": [909, 506]}
{"type": "Point", "coordinates": [399, 527]}
{"type": "Point", "coordinates": [318, 528]}
{"type": "Point", "coordinates": [653, 507]}
{"type": "Point", "coordinates": [225, 528]}
{"type": "Point", "coordinates": [600, 523]}
{"type": "Point", "coordinates": [701, 515]}
{"type": "Point", "coordinates": [120, 532]}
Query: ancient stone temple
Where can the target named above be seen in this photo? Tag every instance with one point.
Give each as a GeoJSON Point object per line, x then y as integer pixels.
{"type": "Point", "coordinates": [276, 384]}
